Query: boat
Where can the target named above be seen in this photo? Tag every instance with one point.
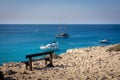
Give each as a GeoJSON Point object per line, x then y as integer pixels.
{"type": "Point", "coordinates": [50, 46]}
{"type": "Point", "coordinates": [62, 35]}
{"type": "Point", "coordinates": [104, 41]}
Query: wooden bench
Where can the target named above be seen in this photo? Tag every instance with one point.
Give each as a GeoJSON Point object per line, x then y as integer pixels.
{"type": "Point", "coordinates": [30, 57]}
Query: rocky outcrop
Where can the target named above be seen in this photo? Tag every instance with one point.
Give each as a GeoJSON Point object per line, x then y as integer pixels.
{"type": "Point", "coordinates": [92, 63]}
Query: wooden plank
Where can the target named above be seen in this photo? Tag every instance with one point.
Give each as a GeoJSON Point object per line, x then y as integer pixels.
{"type": "Point", "coordinates": [34, 60]}
{"type": "Point", "coordinates": [38, 54]}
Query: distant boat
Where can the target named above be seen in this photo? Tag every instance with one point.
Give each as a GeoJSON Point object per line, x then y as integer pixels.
{"type": "Point", "coordinates": [62, 35]}
{"type": "Point", "coordinates": [50, 46]}
{"type": "Point", "coordinates": [104, 41]}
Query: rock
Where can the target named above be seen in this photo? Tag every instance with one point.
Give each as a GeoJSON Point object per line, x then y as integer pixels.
{"type": "Point", "coordinates": [69, 51]}
{"type": "Point", "coordinates": [70, 79]}
{"type": "Point", "coordinates": [103, 78]}
{"type": "Point", "coordinates": [1, 75]}
{"type": "Point", "coordinates": [10, 72]}
{"type": "Point", "coordinates": [39, 79]}
{"type": "Point", "coordinates": [29, 77]}
{"type": "Point", "coordinates": [24, 72]}
{"type": "Point", "coordinates": [87, 78]}
{"type": "Point", "coordinates": [9, 78]}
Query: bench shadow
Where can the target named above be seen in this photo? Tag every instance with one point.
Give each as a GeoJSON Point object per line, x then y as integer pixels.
{"type": "Point", "coordinates": [8, 78]}
{"type": "Point", "coordinates": [47, 67]}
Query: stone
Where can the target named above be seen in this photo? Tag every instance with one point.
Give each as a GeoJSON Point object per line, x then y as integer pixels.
{"type": "Point", "coordinates": [10, 72]}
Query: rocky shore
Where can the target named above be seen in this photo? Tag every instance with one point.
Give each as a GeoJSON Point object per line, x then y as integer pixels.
{"type": "Point", "coordinates": [92, 63]}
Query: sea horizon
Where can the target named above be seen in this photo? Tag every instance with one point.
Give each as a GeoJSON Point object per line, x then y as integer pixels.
{"type": "Point", "coordinates": [59, 23]}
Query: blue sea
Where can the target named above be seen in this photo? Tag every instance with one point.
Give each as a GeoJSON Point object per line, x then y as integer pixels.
{"type": "Point", "coordinates": [18, 40]}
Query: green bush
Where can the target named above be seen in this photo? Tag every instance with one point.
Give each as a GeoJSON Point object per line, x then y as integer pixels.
{"type": "Point", "coordinates": [115, 48]}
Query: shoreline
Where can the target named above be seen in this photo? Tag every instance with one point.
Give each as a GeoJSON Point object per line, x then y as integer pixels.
{"type": "Point", "coordinates": [90, 63]}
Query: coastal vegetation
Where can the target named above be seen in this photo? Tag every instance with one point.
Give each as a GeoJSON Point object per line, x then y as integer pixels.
{"type": "Point", "coordinates": [114, 48]}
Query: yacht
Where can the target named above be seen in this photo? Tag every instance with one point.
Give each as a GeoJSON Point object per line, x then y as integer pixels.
{"type": "Point", "coordinates": [104, 41]}
{"type": "Point", "coordinates": [62, 35]}
{"type": "Point", "coordinates": [62, 32]}
{"type": "Point", "coordinates": [50, 46]}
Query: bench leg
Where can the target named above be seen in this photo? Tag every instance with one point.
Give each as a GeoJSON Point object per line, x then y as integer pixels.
{"type": "Point", "coordinates": [51, 62]}
{"type": "Point", "coordinates": [30, 64]}
{"type": "Point", "coordinates": [26, 64]}
{"type": "Point", "coordinates": [45, 62]}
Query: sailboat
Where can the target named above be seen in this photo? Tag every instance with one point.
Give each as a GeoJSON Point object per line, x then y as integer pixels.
{"type": "Point", "coordinates": [63, 34]}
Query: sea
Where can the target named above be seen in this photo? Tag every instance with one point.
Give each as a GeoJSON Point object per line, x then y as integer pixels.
{"type": "Point", "coordinates": [18, 40]}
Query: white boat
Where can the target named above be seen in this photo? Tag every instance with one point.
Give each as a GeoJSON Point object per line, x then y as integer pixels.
{"type": "Point", "coordinates": [51, 46]}
{"type": "Point", "coordinates": [104, 41]}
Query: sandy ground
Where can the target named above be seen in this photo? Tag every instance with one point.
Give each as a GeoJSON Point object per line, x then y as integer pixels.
{"type": "Point", "coordinates": [92, 63]}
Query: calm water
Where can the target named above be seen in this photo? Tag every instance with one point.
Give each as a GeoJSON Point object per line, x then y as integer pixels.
{"type": "Point", "coordinates": [18, 40]}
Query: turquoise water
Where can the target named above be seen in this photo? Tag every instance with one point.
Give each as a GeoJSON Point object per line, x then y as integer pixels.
{"type": "Point", "coordinates": [18, 40]}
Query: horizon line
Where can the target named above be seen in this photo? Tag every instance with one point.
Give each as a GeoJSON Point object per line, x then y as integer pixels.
{"type": "Point", "coordinates": [59, 23]}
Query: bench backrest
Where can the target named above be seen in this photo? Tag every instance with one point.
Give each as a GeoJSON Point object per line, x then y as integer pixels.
{"type": "Point", "coordinates": [38, 54]}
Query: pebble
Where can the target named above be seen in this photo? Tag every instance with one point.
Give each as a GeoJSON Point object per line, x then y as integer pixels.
{"type": "Point", "coordinates": [10, 72]}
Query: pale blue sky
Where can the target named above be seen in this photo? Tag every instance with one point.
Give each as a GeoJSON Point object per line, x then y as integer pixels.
{"type": "Point", "coordinates": [57, 11]}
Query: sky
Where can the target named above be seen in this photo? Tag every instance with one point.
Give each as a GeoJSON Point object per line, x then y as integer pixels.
{"type": "Point", "coordinates": [59, 11]}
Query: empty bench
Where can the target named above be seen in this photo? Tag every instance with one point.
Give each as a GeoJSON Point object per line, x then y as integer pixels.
{"type": "Point", "coordinates": [30, 57]}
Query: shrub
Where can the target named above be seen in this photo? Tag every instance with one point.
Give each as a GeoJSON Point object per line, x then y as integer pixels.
{"type": "Point", "coordinates": [114, 48]}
